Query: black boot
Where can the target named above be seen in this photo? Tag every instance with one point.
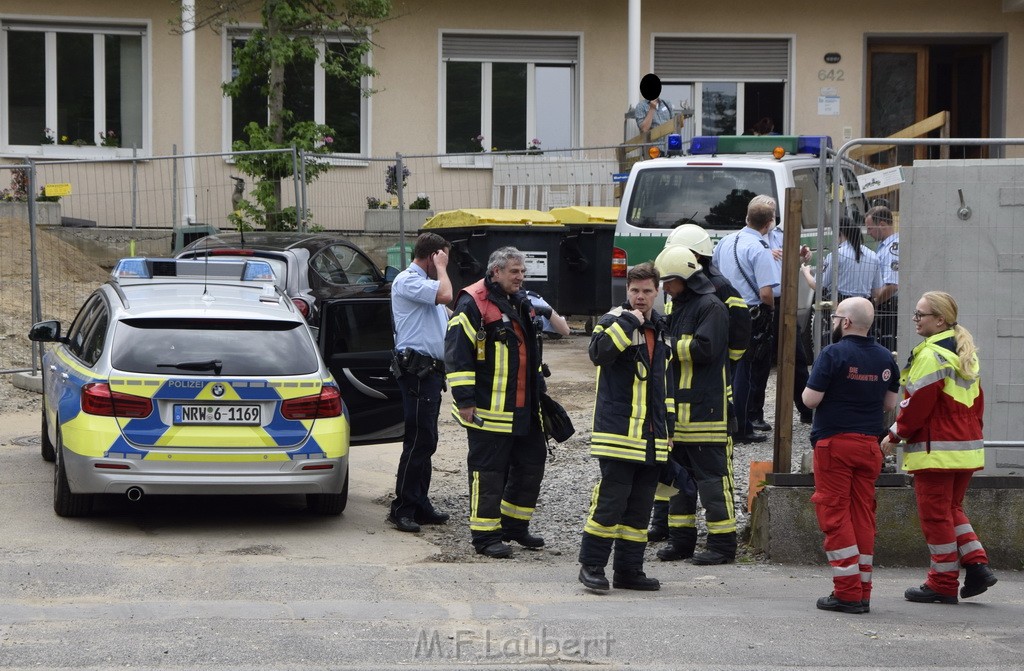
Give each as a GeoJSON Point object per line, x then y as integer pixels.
{"type": "Point", "coordinates": [925, 594]}
{"type": "Point", "coordinates": [681, 543]}
{"type": "Point", "coordinates": [634, 579]}
{"type": "Point", "coordinates": [674, 552]}
{"type": "Point", "coordinates": [979, 578]}
{"type": "Point", "coordinates": [721, 550]}
{"type": "Point", "coordinates": [524, 538]}
{"type": "Point", "coordinates": [659, 522]}
{"type": "Point", "coordinates": [593, 577]}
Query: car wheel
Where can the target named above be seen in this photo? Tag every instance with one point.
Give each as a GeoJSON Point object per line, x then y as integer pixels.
{"type": "Point", "coordinates": [329, 504]}
{"type": "Point", "coordinates": [65, 503]}
{"type": "Point", "coordinates": [46, 446]}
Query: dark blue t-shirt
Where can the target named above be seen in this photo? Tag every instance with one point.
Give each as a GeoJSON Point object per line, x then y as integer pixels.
{"type": "Point", "coordinates": [855, 374]}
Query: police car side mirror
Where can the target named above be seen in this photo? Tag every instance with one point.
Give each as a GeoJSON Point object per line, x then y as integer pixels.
{"type": "Point", "coordinates": [48, 331]}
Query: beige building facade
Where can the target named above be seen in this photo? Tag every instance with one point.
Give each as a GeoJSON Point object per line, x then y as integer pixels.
{"type": "Point", "coordinates": [452, 71]}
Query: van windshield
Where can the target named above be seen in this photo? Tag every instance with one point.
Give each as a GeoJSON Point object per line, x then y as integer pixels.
{"type": "Point", "coordinates": [713, 197]}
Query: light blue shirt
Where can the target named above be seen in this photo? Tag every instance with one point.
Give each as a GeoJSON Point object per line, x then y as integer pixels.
{"type": "Point", "coordinates": [420, 323]}
{"type": "Point", "coordinates": [854, 279]}
{"type": "Point", "coordinates": [889, 259]}
{"type": "Point", "coordinates": [755, 261]}
{"type": "Point", "coordinates": [661, 114]}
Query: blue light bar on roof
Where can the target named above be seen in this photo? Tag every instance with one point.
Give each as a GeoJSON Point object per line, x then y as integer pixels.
{"type": "Point", "coordinates": [749, 144]}
{"type": "Point", "coordinates": [141, 268]}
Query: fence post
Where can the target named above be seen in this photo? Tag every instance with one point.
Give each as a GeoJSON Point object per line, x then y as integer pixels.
{"type": "Point", "coordinates": [135, 185]}
{"type": "Point", "coordinates": [400, 183]}
{"type": "Point", "coordinates": [297, 180]}
{"type": "Point", "coordinates": [174, 194]}
{"type": "Point", "coordinates": [37, 305]}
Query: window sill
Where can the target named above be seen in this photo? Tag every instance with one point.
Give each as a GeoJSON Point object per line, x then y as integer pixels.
{"type": "Point", "coordinates": [483, 160]}
{"type": "Point", "coordinates": [69, 152]}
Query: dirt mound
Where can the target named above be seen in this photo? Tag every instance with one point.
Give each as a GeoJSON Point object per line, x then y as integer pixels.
{"type": "Point", "coordinates": [66, 276]}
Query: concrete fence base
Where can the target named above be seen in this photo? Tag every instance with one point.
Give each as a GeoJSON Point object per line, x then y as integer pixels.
{"type": "Point", "coordinates": [784, 525]}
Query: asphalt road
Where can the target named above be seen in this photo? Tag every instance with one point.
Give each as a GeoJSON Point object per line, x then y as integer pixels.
{"type": "Point", "coordinates": [245, 583]}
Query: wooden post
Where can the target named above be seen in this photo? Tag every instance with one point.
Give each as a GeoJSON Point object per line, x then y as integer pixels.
{"type": "Point", "coordinates": [783, 447]}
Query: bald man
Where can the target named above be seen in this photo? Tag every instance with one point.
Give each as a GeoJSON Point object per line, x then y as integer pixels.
{"type": "Point", "coordinates": [853, 382]}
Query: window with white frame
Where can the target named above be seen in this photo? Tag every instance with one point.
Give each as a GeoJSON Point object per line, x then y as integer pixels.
{"type": "Point", "coordinates": [733, 85]}
{"type": "Point", "coordinates": [72, 83]}
{"type": "Point", "coordinates": [509, 91]}
{"type": "Point", "coordinates": [312, 95]}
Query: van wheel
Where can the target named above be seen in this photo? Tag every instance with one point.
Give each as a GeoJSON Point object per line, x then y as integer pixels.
{"type": "Point", "coordinates": [65, 503]}
{"type": "Point", "coordinates": [329, 504]}
{"type": "Point", "coordinates": [46, 445]}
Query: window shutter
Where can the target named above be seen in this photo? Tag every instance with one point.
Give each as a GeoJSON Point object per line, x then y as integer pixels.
{"type": "Point", "coordinates": [510, 48]}
{"type": "Point", "coordinates": [709, 59]}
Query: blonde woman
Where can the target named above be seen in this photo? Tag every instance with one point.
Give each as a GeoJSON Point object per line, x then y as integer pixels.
{"type": "Point", "coordinates": [940, 422]}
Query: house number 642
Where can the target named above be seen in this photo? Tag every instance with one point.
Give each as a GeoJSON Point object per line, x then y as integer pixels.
{"type": "Point", "coordinates": [832, 75]}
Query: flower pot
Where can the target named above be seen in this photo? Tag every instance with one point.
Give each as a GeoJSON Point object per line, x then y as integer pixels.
{"type": "Point", "coordinates": [387, 220]}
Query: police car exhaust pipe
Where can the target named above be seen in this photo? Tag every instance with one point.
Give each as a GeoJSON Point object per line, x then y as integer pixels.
{"type": "Point", "coordinates": [134, 494]}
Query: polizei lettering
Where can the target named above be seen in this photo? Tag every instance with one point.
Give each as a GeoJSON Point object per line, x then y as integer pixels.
{"type": "Point", "coordinates": [186, 384]}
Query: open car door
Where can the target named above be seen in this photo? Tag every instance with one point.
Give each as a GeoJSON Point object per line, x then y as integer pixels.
{"type": "Point", "coordinates": [357, 344]}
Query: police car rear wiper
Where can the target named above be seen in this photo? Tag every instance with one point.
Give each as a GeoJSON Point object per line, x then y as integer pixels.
{"type": "Point", "coordinates": [213, 364]}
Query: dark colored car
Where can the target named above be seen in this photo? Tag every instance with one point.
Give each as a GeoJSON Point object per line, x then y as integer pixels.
{"type": "Point", "coordinates": [346, 299]}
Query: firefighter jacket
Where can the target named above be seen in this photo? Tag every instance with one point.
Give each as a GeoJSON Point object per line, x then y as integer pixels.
{"type": "Point", "coordinates": [739, 313]}
{"type": "Point", "coordinates": [941, 414]}
{"type": "Point", "coordinates": [492, 357]}
{"type": "Point", "coordinates": [633, 410]}
{"type": "Point", "coordinates": [699, 326]}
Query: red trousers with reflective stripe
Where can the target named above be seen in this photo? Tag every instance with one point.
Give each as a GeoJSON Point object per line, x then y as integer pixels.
{"type": "Point", "coordinates": [950, 537]}
{"type": "Point", "coordinates": [845, 469]}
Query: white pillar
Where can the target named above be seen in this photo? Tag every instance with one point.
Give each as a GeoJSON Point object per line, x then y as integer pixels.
{"type": "Point", "coordinates": [633, 53]}
{"type": "Point", "coordinates": [188, 109]}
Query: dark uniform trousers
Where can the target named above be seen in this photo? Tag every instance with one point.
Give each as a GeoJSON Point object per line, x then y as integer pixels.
{"type": "Point", "coordinates": [710, 466]}
{"type": "Point", "coordinates": [749, 381]}
{"type": "Point", "coordinates": [886, 321]}
{"type": "Point", "coordinates": [421, 400]}
{"type": "Point", "coordinates": [505, 472]}
{"type": "Point", "coordinates": [620, 507]}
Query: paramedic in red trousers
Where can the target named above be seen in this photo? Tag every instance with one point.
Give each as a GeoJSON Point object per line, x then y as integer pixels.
{"type": "Point", "coordinates": [940, 422]}
{"type": "Point", "coordinates": [631, 433]}
{"type": "Point", "coordinates": [418, 298]}
{"type": "Point", "coordinates": [493, 359]}
{"type": "Point", "coordinates": [853, 382]}
{"type": "Point", "coordinates": [699, 326]}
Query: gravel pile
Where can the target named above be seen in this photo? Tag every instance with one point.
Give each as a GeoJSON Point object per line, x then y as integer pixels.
{"type": "Point", "coordinates": [571, 473]}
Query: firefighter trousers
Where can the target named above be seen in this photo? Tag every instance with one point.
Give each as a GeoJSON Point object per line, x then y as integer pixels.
{"type": "Point", "coordinates": [846, 466]}
{"type": "Point", "coordinates": [710, 466]}
{"type": "Point", "coordinates": [505, 472]}
{"type": "Point", "coordinates": [620, 507]}
{"type": "Point", "coordinates": [949, 534]}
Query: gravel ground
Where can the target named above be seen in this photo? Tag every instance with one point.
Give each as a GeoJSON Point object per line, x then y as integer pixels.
{"type": "Point", "coordinates": [571, 472]}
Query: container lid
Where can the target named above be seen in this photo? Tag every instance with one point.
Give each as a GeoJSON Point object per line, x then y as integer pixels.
{"type": "Point", "coordinates": [491, 217]}
{"type": "Point", "coordinates": [586, 214]}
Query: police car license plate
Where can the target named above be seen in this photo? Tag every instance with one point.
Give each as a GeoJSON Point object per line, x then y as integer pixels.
{"type": "Point", "coordinates": [228, 414]}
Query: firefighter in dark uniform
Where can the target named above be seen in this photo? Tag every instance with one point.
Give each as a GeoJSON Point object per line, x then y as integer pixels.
{"type": "Point", "coordinates": [631, 433]}
{"type": "Point", "coordinates": [697, 240]}
{"type": "Point", "coordinates": [493, 362]}
{"type": "Point", "coordinates": [699, 325]}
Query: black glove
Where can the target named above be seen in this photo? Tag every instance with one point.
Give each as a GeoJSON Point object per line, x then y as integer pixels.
{"type": "Point", "coordinates": [543, 311]}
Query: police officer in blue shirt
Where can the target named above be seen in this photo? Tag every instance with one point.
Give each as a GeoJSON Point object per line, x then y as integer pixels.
{"type": "Point", "coordinates": [879, 223]}
{"type": "Point", "coordinates": [418, 297]}
{"type": "Point", "coordinates": [745, 258]}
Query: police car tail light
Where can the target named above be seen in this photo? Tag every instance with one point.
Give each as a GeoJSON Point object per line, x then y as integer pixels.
{"type": "Point", "coordinates": [618, 262]}
{"type": "Point", "coordinates": [325, 404]}
{"type": "Point", "coordinates": [98, 399]}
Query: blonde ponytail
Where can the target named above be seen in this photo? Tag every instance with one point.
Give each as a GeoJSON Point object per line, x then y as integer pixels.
{"type": "Point", "coordinates": [945, 306]}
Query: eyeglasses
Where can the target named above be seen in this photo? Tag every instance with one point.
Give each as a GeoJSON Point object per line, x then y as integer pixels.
{"type": "Point", "coordinates": [839, 317]}
{"type": "Point", "coordinates": [918, 314]}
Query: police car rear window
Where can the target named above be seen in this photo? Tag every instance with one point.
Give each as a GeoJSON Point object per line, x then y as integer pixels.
{"type": "Point", "coordinates": [193, 346]}
{"type": "Point", "coordinates": [713, 197]}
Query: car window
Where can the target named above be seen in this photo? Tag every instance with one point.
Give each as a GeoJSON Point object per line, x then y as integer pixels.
{"type": "Point", "coordinates": [711, 197]}
{"type": "Point", "coordinates": [92, 345]}
{"type": "Point", "coordinates": [83, 322]}
{"type": "Point", "coordinates": [806, 179]}
{"type": "Point", "coordinates": [358, 326]}
{"type": "Point", "coordinates": [242, 347]}
{"type": "Point", "coordinates": [341, 264]}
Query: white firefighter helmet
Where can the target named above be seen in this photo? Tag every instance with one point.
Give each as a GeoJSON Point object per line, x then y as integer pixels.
{"type": "Point", "coordinates": [676, 261]}
{"type": "Point", "coordinates": [692, 236]}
